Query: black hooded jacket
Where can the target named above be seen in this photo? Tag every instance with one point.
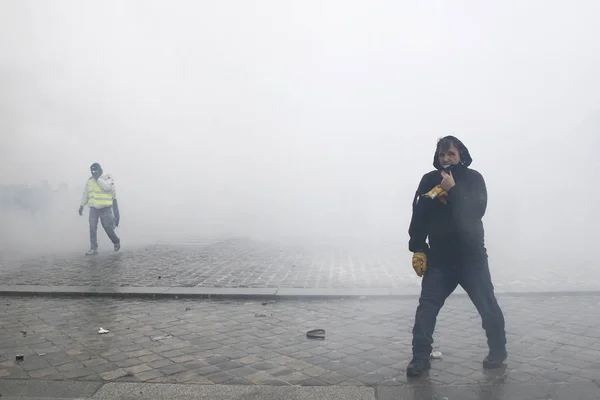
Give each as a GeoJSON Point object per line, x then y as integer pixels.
{"type": "Point", "coordinates": [454, 229]}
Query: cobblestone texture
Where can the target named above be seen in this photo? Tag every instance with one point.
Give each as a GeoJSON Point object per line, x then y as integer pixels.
{"type": "Point", "coordinates": [245, 263]}
{"type": "Point", "coordinates": [550, 339]}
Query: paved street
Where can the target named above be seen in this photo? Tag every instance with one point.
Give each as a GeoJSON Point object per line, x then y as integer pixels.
{"type": "Point", "coordinates": [550, 340]}
{"type": "Point", "coordinates": [241, 263]}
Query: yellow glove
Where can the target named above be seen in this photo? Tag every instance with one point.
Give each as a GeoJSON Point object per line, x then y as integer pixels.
{"type": "Point", "coordinates": [419, 263]}
{"type": "Point", "coordinates": [439, 193]}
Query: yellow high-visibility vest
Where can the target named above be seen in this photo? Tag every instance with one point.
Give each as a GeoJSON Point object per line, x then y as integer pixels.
{"type": "Point", "coordinates": [97, 196]}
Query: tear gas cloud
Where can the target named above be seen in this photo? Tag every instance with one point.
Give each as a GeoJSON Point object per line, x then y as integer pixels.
{"type": "Point", "coordinates": [278, 119]}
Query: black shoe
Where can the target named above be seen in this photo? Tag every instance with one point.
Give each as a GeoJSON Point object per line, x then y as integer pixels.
{"type": "Point", "coordinates": [495, 359]}
{"type": "Point", "coordinates": [417, 367]}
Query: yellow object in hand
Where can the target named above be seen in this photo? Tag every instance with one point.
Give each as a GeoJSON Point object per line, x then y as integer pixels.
{"type": "Point", "coordinates": [438, 192]}
{"type": "Point", "coordinates": [435, 192]}
{"type": "Point", "coordinates": [419, 263]}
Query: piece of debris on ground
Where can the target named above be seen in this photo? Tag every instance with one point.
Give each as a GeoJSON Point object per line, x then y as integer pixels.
{"type": "Point", "coordinates": [163, 337]}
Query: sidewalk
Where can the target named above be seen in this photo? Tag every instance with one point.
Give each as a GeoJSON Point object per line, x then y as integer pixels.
{"type": "Point", "coordinates": [553, 341]}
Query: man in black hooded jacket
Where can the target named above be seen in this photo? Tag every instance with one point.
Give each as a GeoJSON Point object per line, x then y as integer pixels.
{"type": "Point", "coordinates": [448, 209]}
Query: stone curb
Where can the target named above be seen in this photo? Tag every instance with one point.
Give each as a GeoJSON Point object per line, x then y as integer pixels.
{"type": "Point", "coordinates": [77, 390]}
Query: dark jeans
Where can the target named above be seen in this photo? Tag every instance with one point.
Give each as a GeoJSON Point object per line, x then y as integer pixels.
{"type": "Point", "coordinates": [108, 223]}
{"type": "Point", "coordinates": [438, 283]}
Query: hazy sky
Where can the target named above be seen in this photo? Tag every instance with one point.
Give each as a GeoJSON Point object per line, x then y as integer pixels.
{"type": "Point", "coordinates": [292, 118]}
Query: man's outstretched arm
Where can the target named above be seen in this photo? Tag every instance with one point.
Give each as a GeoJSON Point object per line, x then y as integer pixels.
{"type": "Point", "coordinates": [116, 212]}
{"type": "Point", "coordinates": [84, 199]}
{"type": "Point", "coordinates": [115, 205]}
{"type": "Point", "coordinates": [84, 196]}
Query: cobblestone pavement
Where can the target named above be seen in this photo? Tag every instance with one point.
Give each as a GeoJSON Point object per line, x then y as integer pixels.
{"type": "Point", "coordinates": [245, 263]}
{"type": "Point", "coordinates": [550, 339]}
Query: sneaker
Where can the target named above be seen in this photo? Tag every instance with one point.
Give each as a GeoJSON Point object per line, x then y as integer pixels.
{"type": "Point", "coordinates": [117, 246]}
{"type": "Point", "coordinates": [495, 359]}
{"type": "Point", "coordinates": [92, 252]}
{"type": "Point", "coordinates": [417, 367]}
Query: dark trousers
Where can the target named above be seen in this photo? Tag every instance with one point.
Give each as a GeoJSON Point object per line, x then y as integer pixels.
{"type": "Point", "coordinates": [439, 281]}
{"type": "Point", "coordinates": [105, 216]}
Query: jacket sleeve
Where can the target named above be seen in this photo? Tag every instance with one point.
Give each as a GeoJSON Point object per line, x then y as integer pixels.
{"type": "Point", "coordinates": [84, 196]}
{"type": "Point", "coordinates": [115, 207]}
{"type": "Point", "coordinates": [418, 229]}
{"type": "Point", "coordinates": [469, 198]}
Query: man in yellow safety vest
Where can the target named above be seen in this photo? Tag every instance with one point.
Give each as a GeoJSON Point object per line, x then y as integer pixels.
{"type": "Point", "coordinates": [99, 194]}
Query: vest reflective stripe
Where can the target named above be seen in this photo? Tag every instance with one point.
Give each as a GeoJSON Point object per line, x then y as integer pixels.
{"type": "Point", "coordinates": [97, 196]}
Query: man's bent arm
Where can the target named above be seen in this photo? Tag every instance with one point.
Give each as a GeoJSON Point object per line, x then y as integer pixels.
{"type": "Point", "coordinates": [469, 198]}
{"type": "Point", "coordinates": [418, 229]}
{"type": "Point", "coordinates": [106, 183]}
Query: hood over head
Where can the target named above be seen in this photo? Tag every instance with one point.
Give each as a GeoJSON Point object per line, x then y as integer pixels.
{"type": "Point", "coordinates": [96, 170]}
{"type": "Point", "coordinates": [444, 144]}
